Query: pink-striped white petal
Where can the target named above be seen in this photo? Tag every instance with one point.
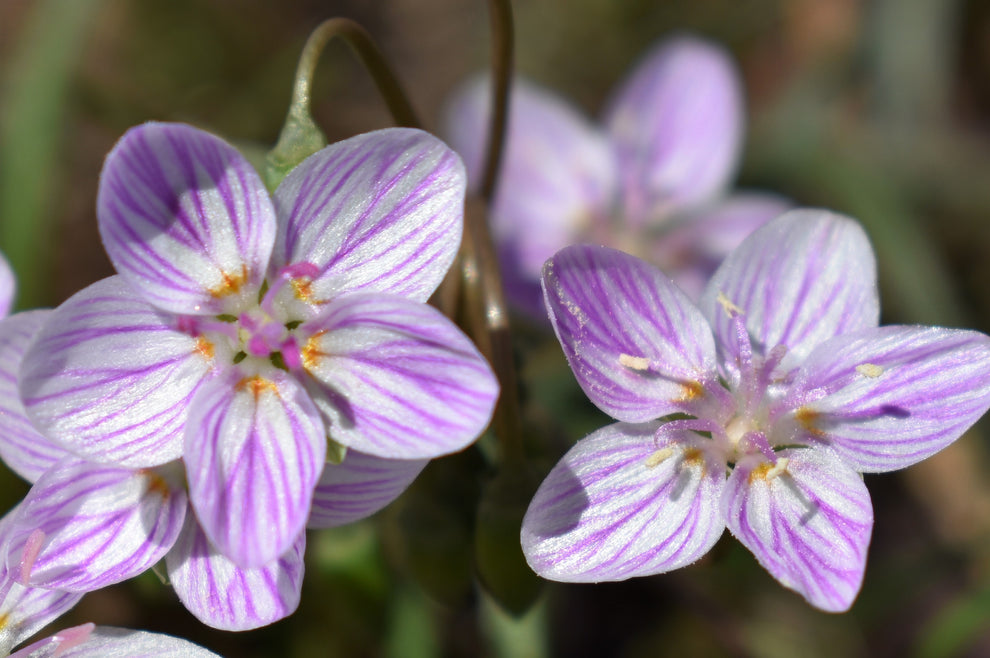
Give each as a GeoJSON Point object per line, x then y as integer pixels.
{"type": "Point", "coordinates": [396, 378]}
{"type": "Point", "coordinates": [359, 486]}
{"type": "Point", "coordinates": [25, 610]}
{"type": "Point", "coordinates": [618, 506]}
{"type": "Point", "coordinates": [799, 280]}
{"type": "Point", "coordinates": [807, 520]}
{"type": "Point", "coordinates": [225, 596]}
{"type": "Point", "coordinates": [26, 451]}
{"type": "Point", "coordinates": [84, 526]}
{"type": "Point", "coordinates": [556, 176]}
{"type": "Point", "coordinates": [89, 641]}
{"type": "Point", "coordinates": [254, 449]}
{"type": "Point", "coordinates": [8, 287]}
{"type": "Point", "coordinates": [692, 250]}
{"type": "Point", "coordinates": [887, 398]}
{"type": "Point", "coordinates": [379, 212]}
{"type": "Point", "coordinates": [677, 127]}
{"type": "Point", "coordinates": [110, 378]}
{"type": "Point", "coordinates": [185, 218]}
{"type": "Point", "coordinates": [637, 345]}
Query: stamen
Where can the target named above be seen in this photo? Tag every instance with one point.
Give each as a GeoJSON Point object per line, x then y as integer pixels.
{"type": "Point", "coordinates": [658, 457]}
{"type": "Point", "coordinates": [759, 441]}
{"type": "Point", "coordinates": [32, 547]}
{"type": "Point", "coordinates": [779, 468]}
{"type": "Point", "coordinates": [869, 370]}
{"type": "Point", "coordinates": [640, 363]}
{"type": "Point", "coordinates": [285, 277]}
{"type": "Point", "coordinates": [730, 309]}
{"type": "Point", "coordinates": [291, 354]}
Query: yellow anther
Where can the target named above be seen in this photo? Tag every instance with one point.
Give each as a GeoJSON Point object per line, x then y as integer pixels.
{"type": "Point", "coordinates": [640, 363]}
{"type": "Point", "coordinates": [230, 283]}
{"type": "Point", "coordinates": [778, 469]}
{"type": "Point", "coordinates": [869, 370]}
{"type": "Point", "coordinates": [730, 309]}
{"type": "Point", "coordinates": [658, 457]}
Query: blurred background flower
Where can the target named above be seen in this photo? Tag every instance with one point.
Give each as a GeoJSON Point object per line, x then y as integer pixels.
{"type": "Point", "coordinates": [878, 109]}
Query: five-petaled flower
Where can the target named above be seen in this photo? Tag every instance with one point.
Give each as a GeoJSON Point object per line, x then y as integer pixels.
{"type": "Point", "coordinates": [242, 332]}
{"type": "Point", "coordinates": [756, 410]}
{"type": "Point", "coordinates": [652, 181]}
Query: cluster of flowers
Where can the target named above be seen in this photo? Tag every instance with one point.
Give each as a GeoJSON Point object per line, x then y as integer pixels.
{"type": "Point", "coordinates": [750, 396]}
{"type": "Point", "coordinates": [263, 364]}
{"type": "Point", "coordinates": [195, 406]}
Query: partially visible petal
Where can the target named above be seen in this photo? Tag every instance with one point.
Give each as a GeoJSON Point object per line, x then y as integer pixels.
{"type": "Point", "coordinates": [895, 395]}
{"type": "Point", "coordinates": [807, 520]}
{"type": "Point", "coordinates": [618, 506]}
{"type": "Point", "coordinates": [88, 641]}
{"type": "Point", "coordinates": [557, 170]}
{"type": "Point", "coordinates": [254, 449]}
{"type": "Point", "coordinates": [27, 452]}
{"type": "Point", "coordinates": [25, 610]}
{"type": "Point", "coordinates": [677, 127]}
{"type": "Point", "coordinates": [380, 212]}
{"type": "Point", "coordinates": [637, 345]}
{"type": "Point", "coordinates": [8, 287]}
{"type": "Point", "coordinates": [101, 525]}
{"type": "Point", "coordinates": [691, 251]}
{"type": "Point", "coordinates": [221, 594]}
{"type": "Point", "coordinates": [396, 378]}
{"type": "Point", "coordinates": [185, 218]}
{"type": "Point", "coordinates": [803, 278]}
{"type": "Point", "coordinates": [360, 486]}
{"type": "Point", "coordinates": [109, 377]}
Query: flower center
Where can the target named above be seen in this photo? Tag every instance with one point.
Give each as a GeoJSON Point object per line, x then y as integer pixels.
{"type": "Point", "coordinates": [264, 331]}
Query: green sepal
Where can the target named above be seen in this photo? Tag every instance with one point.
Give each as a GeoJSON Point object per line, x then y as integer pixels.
{"type": "Point", "coordinates": [299, 139]}
{"type": "Point", "coordinates": [335, 452]}
{"type": "Point", "coordinates": [499, 559]}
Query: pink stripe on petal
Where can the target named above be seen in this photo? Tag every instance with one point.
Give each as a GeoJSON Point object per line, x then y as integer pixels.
{"type": "Point", "coordinates": [378, 212]}
{"type": "Point", "coordinates": [808, 524]}
{"type": "Point", "coordinates": [801, 279]}
{"type": "Point", "coordinates": [892, 396]}
{"type": "Point", "coordinates": [100, 525]}
{"type": "Point", "coordinates": [184, 218]}
{"type": "Point", "coordinates": [221, 594]}
{"type": "Point", "coordinates": [359, 486]}
{"type": "Point", "coordinates": [254, 449]}
{"type": "Point", "coordinates": [637, 345]}
{"type": "Point", "coordinates": [110, 379]}
{"type": "Point", "coordinates": [618, 506]}
{"type": "Point", "coordinates": [397, 379]}
{"type": "Point", "coordinates": [22, 447]}
{"type": "Point", "coordinates": [26, 610]}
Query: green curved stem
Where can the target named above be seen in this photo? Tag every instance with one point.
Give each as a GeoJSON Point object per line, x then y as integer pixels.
{"type": "Point", "coordinates": [300, 135]}
{"type": "Point", "coordinates": [364, 47]}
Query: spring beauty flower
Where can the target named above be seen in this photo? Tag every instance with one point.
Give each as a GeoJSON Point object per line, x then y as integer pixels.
{"type": "Point", "coordinates": [651, 180]}
{"type": "Point", "coordinates": [242, 344]}
{"type": "Point", "coordinates": [756, 410]}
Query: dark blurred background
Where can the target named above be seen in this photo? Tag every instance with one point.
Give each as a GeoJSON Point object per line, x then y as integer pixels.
{"type": "Point", "coordinates": [879, 109]}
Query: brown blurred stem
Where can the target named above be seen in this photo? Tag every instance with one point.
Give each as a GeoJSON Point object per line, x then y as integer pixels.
{"type": "Point", "coordinates": [484, 295]}
{"type": "Point", "coordinates": [502, 46]}
{"type": "Point", "coordinates": [371, 57]}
